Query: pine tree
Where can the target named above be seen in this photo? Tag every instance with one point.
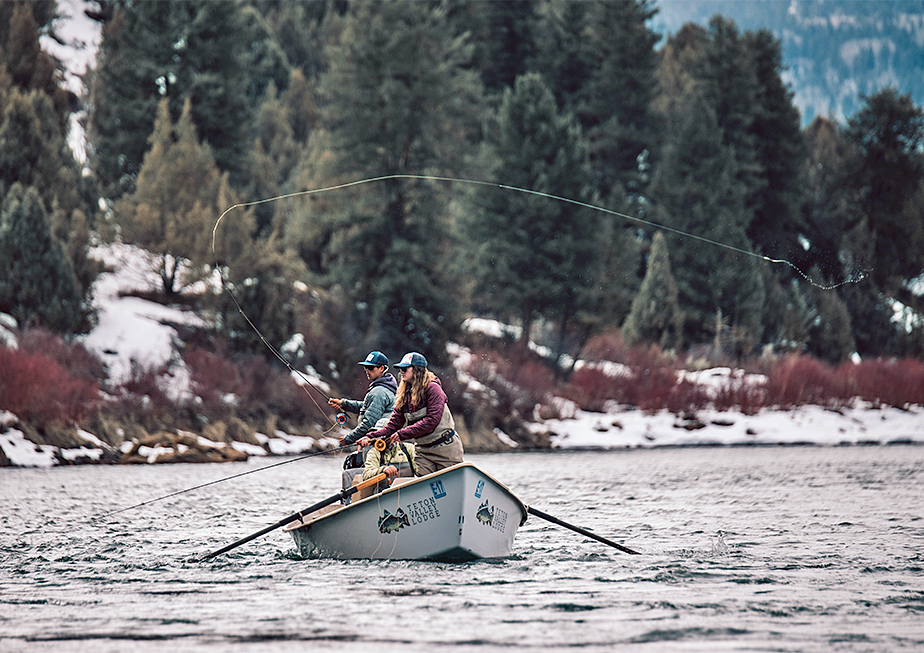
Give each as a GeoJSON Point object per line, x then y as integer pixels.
{"type": "Point", "coordinates": [827, 206]}
{"type": "Point", "coordinates": [599, 60]}
{"type": "Point", "coordinates": [33, 152]}
{"type": "Point", "coordinates": [889, 134]}
{"type": "Point", "coordinates": [614, 106]}
{"type": "Point", "coordinates": [780, 152]}
{"type": "Point", "coordinates": [399, 98]}
{"type": "Point", "coordinates": [535, 257]}
{"type": "Point", "coordinates": [179, 196]}
{"type": "Point", "coordinates": [504, 33]}
{"type": "Point", "coordinates": [701, 196]}
{"type": "Point", "coordinates": [830, 334]}
{"type": "Point", "coordinates": [29, 66]}
{"type": "Point", "coordinates": [656, 315]}
{"type": "Point", "coordinates": [38, 286]}
{"type": "Point", "coordinates": [210, 52]}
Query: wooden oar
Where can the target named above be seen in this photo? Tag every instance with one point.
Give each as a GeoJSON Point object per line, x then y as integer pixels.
{"type": "Point", "coordinates": [298, 515]}
{"type": "Point", "coordinates": [578, 529]}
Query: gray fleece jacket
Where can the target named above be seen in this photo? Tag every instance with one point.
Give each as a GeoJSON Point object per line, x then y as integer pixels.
{"type": "Point", "coordinates": [375, 407]}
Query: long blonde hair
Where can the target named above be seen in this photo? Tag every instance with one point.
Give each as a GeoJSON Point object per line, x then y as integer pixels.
{"type": "Point", "coordinates": [419, 382]}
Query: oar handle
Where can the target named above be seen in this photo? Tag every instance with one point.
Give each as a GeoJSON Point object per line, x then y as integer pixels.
{"type": "Point", "coordinates": [578, 529]}
{"type": "Point", "coordinates": [298, 515]}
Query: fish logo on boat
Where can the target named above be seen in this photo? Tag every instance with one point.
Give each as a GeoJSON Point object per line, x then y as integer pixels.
{"type": "Point", "coordinates": [389, 523]}
{"type": "Point", "coordinates": [485, 514]}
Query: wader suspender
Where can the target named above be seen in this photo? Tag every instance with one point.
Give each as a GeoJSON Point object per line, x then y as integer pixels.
{"type": "Point", "coordinates": [410, 461]}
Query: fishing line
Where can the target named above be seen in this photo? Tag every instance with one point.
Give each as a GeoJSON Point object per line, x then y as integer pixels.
{"type": "Point", "coordinates": [340, 419]}
{"type": "Point", "coordinates": [220, 480]}
{"type": "Point", "coordinates": [855, 278]}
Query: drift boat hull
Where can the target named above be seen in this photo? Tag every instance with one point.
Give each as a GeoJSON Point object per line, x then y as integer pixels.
{"type": "Point", "coordinates": [458, 513]}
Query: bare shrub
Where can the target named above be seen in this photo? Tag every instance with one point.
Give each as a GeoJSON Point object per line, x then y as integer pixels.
{"type": "Point", "coordinates": [800, 380]}
{"type": "Point", "coordinates": [518, 380]}
{"type": "Point", "coordinates": [687, 397]}
{"type": "Point", "coordinates": [607, 346]}
{"type": "Point", "coordinates": [39, 391]}
{"type": "Point", "coordinates": [213, 379]}
{"type": "Point", "coordinates": [73, 357]}
{"type": "Point", "coordinates": [897, 383]}
{"type": "Point", "coordinates": [591, 388]}
{"type": "Point", "coordinates": [738, 393]}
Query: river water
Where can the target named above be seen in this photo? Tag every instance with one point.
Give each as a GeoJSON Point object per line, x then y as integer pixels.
{"type": "Point", "coordinates": [743, 549]}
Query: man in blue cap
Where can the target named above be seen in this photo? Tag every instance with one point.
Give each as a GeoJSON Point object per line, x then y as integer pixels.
{"type": "Point", "coordinates": [374, 410]}
{"type": "Point", "coordinates": [378, 403]}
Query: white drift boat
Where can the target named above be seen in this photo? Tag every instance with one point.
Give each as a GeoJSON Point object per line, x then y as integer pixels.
{"type": "Point", "coordinates": [458, 513]}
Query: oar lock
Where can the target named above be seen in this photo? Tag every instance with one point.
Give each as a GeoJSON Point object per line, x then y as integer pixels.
{"type": "Point", "coordinates": [379, 444]}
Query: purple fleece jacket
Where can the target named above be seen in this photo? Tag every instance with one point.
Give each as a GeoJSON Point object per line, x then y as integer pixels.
{"type": "Point", "coordinates": [434, 399]}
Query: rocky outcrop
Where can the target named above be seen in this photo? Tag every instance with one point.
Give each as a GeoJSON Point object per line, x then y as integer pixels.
{"type": "Point", "coordinates": [165, 447]}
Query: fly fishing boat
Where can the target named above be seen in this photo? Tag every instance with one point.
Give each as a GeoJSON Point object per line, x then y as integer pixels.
{"type": "Point", "coordinates": [457, 513]}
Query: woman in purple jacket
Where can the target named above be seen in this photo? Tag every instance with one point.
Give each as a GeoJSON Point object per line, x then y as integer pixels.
{"type": "Point", "coordinates": [421, 415]}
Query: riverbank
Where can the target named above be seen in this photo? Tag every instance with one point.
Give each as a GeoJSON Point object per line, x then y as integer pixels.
{"type": "Point", "coordinates": [618, 429]}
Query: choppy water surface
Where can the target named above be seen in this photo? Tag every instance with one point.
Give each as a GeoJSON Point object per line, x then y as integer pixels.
{"type": "Point", "coordinates": [767, 549]}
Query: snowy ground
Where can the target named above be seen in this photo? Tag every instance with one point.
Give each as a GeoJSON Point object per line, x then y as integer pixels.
{"type": "Point", "coordinates": [130, 327]}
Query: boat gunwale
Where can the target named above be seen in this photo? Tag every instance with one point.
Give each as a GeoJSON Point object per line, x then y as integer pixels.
{"type": "Point", "coordinates": [301, 523]}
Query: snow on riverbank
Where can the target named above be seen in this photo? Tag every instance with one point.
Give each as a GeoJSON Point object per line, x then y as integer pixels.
{"type": "Point", "coordinates": [134, 328]}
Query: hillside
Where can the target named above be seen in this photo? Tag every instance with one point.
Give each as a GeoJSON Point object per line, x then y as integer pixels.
{"type": "Point", "coordinates": [834, 50]}
{"type": "Point", "coordinates": [135, 329]}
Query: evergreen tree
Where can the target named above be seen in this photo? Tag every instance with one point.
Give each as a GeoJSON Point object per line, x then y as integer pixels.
{"type": "Point", "coordinates": [398, 98]}
{"type": "Point", "coordinates": [614, 106]}
{"type": "Point", "coordinates": [780, 152]}
{"type": "Point", "coordinates": [38, 286]}
{"type": "Point", "coordinates": [213, 53]}
{"type": "Point", "coordinates": [827, 206]}
{"type": "Point", "coordinates": [830, 334]}
{"type": "Point", "coordinates": [656, 314]}
{"type": "Point", "coordinates": [261, 281]}
{"type": "Point", "coordinates": [889, 133]}
{"type": "Point", "coordinates": [31, 68]}
{"type": "Point", "coordinates": [701, 196]}
{"type": "Point", "coordinates": [535, 257]}
{"type": "Point", "coordinates": [598, 58]}
{"type": "Point", "coordinates": [883, 234]}
{"type": "Point", "coordinates": [727, 81]}
{"type": "Point", "coordinates": [33, 152]}
{"type": "Point", "coordinates": [179, 196]}
{"type": "Point", "coordinates": [507, 41]}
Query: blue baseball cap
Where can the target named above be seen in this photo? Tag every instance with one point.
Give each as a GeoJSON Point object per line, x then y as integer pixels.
{"type": "Point", "coordinates": [374, 359]}
{"type": "Point", "coordinates": [412, 359]}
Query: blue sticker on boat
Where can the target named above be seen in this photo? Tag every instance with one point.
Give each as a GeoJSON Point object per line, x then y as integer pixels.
{"type": "Point", "coordinates": [479, 488]}
{"type": "Point", "coordinates": [437, 488]}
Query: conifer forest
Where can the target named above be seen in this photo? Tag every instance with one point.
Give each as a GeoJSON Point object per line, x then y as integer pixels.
{"type": "Point", "coordinates": [555, 165]}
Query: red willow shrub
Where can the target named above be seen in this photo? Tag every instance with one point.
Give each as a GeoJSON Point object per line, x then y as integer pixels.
{"type": "Point", "coordinates": [800, 380]}
{"type": "Point", "coordinates": [898, 383]}
{"type": "Point", "coordinates": [649, 381]}
{"type": "Point", "coordinates": [591, 388]}
{"type": "Point", "coordinates": [213, 379]}
{"type": "Point", "coordinates": [737, 393]}
{"type": "Point", "coordinates": [517, 380]}
{"type": "Point", "coordinates": [39, 391]}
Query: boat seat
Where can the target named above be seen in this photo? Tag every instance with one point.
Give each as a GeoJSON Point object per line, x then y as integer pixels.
{"type": "Point", "coordinates": [364, 492]}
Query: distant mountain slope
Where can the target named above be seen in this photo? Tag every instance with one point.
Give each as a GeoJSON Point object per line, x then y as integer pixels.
{"type": "Point", "coordinates": [834, 50]}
